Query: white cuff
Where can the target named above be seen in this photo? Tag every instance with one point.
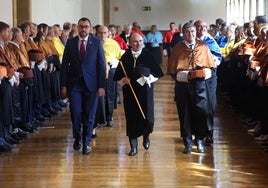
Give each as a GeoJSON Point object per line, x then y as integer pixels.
{"type": "Point", "coordinates": [150, 79]}
{"type": "Point", "coordinates": [32, 64]}
{"type": "Point", "coordinates": [114, 63]}
{"type": "Point", "coordinates": [12, 80]}
{"type": "Point", "coordinates": [41, 66]}
{"type": "Point", "coordinates": [208, 73]}
{"type": "Point", "coordinates": [182, 76]}
{"type": "Point", "coordinates": [216, 60]}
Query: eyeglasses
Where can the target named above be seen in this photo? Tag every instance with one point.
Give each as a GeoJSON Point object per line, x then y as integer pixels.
{"type": "Point", "coordinates": [83, 26]}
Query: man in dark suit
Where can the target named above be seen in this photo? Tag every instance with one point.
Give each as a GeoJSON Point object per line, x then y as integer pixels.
{"type": "Point", "coordinates": [83, 80]}
{"type": "Point", "coordinates": [125, 35]}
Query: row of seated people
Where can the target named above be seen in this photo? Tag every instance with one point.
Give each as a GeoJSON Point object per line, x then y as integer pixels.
{"type": "Point", "coordinates": [243, 78]}
{"type": "Point", "coordinates": [29, 81]}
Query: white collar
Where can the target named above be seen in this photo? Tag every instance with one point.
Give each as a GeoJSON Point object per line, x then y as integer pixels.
{"type": "Point", "coordinates": [14, 43]}
{"type": "Point", "coordinates": [2, 44]}
{"type": "Point", "coordinates": [136, 54]}
{"type": "Point", "coordinates": [85, 39]}
{"type": "Point", "coordinates": [189, 44]}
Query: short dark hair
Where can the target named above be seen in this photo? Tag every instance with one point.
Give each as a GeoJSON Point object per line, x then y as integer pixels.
{"type": "Point", "coordinates": [219, 21]}
{"type": "Point", "coordinates": [112, 26]}
{"type": "Point", "coordinates": [261, 19]}
{"type": "Point", "coordinates": [24, 26]}
{"type": "Point", "coordinates": [3, 26]}
{"type": "Point", "coordinates": [66, 26]}
{"type": "Point", "coordinates": [56, 25]}
{"type": "Point", "coordinates": [187, 25]}
{"type": "Point", "coordinates": [84, 19]}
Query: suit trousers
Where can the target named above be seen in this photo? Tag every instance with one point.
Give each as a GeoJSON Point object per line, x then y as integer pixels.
{"type": "Point", "coordinates": [111, 86]}
{"type": "Point", "coordinates": [83, 106]}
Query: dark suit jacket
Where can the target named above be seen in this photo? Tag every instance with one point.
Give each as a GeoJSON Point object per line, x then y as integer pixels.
{"type": "Point", "coordinates": [123, 36]}
{"type": "Point", "coordinates": [92, 67]}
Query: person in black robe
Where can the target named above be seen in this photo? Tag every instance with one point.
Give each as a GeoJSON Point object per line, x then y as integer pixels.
{"type": "Point", "coordinates": [191, 64]}
{"type": "Point", "coordinates": [139, 66]}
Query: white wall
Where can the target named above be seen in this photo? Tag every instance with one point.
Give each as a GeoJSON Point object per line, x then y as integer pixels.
{"type": "Point", "coordinates": [164, 11]}
{"type": "Point", "coordinates": [60, 11]}
{"type": "Point", "coordinates": [6, 12]}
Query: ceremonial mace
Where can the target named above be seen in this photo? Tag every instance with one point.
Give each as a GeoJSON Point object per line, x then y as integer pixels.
{"type": "Point", "coordinates": [133, 92]}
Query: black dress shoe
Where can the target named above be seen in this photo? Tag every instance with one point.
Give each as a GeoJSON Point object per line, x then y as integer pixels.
{"type": "Point", "coordinates": [4, 146]}
{"type": "Point", "coordinates": [16, 137]}
{"type": "Point", "coordinates": [52, 111]}
{"type": "Point", "coordinates": [63, 104]}
{"type": "Point", "coordinates": [40, 118]}
{"type": "Point", "coordinates": [94, 136]}
{"type": "Point", "coordinates": [208, 141]}
{"type": "Point", "coordinates": [133, 152]}
{"type": "Point", "coordinates": [11, 140]}
{"type": "Point", "coordinates": [187, 150]}
{"type": "Point", "coordinates": [86, 150]}
{"type": "Point", "coordinates": [146, 143]}
{"type": "Point", "coordinates": [47, 115]}
{"type": "Point", "coordinates": [110, 123]}
{"type": "Point", "coordinates": [77, 144]}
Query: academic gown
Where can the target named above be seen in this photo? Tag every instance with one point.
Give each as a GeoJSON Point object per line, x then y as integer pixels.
{"type": "Point", "coordinates": [193, 98]}
{"type": "Point", "coordinates": [136, 124]}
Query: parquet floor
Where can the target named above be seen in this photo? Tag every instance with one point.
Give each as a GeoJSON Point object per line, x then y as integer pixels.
{"type": "Point", "coordinates": [46, 159]}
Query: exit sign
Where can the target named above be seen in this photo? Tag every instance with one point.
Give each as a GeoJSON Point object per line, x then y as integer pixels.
{"type": "Point", "coordinates": [146, 8]}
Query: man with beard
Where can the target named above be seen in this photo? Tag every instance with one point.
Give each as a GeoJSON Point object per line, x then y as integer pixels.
{"type": "Point", "coordinates": [83, 80]}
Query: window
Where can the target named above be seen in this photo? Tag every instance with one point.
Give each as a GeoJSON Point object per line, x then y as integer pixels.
{"type": "Point", "coordinates": [242, 11]}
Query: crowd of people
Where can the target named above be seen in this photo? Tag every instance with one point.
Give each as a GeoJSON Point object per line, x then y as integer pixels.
{"type": "Point", "coordinates": [242, 74]}
{"type": "Point", "coordinates": [42, 66]}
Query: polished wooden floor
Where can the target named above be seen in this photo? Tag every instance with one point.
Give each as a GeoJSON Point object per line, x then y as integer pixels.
{"type": "Point", "coordinates": [46, 158]}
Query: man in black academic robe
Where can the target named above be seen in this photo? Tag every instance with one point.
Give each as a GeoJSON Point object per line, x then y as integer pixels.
{"type": "Point", "coordinates": [139, 65]}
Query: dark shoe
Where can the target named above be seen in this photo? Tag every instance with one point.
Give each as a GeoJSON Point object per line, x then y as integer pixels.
{"type": "Point", "coordinates": [40, 118]}
{"type": "Point", "coordinates": [11, 140]}
{"type": "Point", "coordinates": [57, 107]}
{"type": "Point", "coordinates": [133, 152]}
{"type": "Point", "coordinates": [200, 146]}
{"type": "Point", "coordinates": [110, 123]}
{"type": "Point", "coordinates": [77, 144]}
{"type": "Point", "coordinates": [94, 136]}
{"type": "Point", "coordinates": [208, 141]}
{"type": "Point", "coordinates": [146, 143]}
{"type": "Point", "coordinates": [187, 150]}
{"type": "Point", "coordinates": [86, 150]}
{"type": "Point", "coordinates": [46, 115]}
{"type": "Point", "coordinates": [22, 134]}
{"type": "Point", "coordinates": [28, 129]}
{"type": "Point", "coordinates": [16, 137]}
{"type": "Point", "coordinates": [63, 104]}
{"type": "Point", "coordinates": [52, 111]}
{"type": "Point", "coordinates": [4, 146]}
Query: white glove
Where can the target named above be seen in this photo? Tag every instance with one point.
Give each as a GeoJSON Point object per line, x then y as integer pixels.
{"type": "Point", "coordinates": [208, 73]}
{"type": "Point", "coordinates": [12, 80]}
{"type": "Point", "coordinates": [150, 79]}
{"type": "Point", "coordinates": [41, 66]}
{"type": "Point", "coordinates": [17, 78]}
{"type": "Point", "coordinates": [32, 64]}
{"type": "Point", "coordinates": [164, 52]}
{"type": "Point", "coordinates": [182, 76]}
{"type": "Point", "coordinates": [114, 63]}
{"type": "Point", "coordinates": [216, 60]}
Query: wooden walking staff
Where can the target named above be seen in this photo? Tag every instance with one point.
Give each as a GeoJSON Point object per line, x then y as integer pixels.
{"type": "Point", "coordinates": [133, 92]}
